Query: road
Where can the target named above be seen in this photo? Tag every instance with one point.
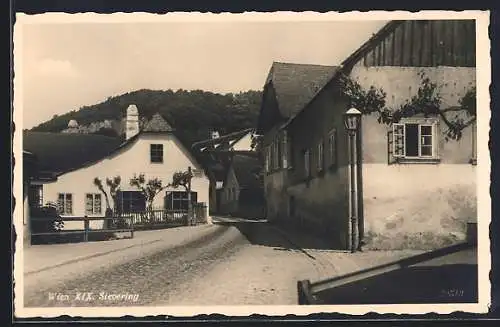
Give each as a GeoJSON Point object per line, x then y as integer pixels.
{"type": "Point", "coordinates": [239, 263]}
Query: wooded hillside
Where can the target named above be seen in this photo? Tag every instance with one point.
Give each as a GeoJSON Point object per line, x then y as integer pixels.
{"type": "Point", "coordinates": [192, 113]}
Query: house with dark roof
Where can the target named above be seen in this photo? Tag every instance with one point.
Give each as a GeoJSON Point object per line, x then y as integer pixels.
{"type": "Point", "coordinates": [217, 154]}
{"type": "Point", "coordinates": [242, 194]}
{"type": "Point", "coordinates": [415, 184]}
{"type": "Point", "coordinates": [68, 164]}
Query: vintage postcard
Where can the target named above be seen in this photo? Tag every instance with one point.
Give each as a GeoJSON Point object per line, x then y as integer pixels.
{"type": "Point", "coordinates": [270, 163]}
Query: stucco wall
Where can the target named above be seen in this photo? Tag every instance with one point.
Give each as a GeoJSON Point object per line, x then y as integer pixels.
{"type": "Point", "coordinates": [132, 159]}
{"type": "Point", "coordinates": [322, 205]}
{"type": "Point", "coordinates": [276, 196]}
{"type": "Point", "coordinates": [418, 206]}
{"type": "Point", "coordinates": [230, 194]}
{"type": "Point", "coordinates": [401, 83]}
{"type": "Point", "coordinates": [375, 142]}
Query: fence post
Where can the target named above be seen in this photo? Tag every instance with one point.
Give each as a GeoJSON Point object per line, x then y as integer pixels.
{"type": "Point", "coordinates": [131, 227]}
{"type": "Point", "coordinates": [86, 227]}
{"type": "Point", "coordinates": [304, 292]}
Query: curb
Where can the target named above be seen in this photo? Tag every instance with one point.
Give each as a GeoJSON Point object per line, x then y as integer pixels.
{"type": "Point", "coordinates": [286, 236]}
{"type": "Point", "coordinates": [100, 254]}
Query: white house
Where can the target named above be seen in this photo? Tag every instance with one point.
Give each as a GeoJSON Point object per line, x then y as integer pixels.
{"type": "Point", "coordinates": [153, 151]}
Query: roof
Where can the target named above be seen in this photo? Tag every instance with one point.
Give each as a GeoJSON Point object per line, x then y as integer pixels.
{"type": "Point", "coordinates": [296, 84]}
{"type": "Point", "coordinates": [61, 152]}
{"type": "Point", "coordinates": [372, 41]}
{"type": "Point", "coordinates": [225, 141]}
{"type": "Point", "coordinates": [157, 124]}
{"type": "Point", "coordinates": [246, 169]}
{"type": "Point", "coordinates": [353, 58]}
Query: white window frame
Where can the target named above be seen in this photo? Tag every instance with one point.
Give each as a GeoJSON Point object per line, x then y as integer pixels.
{"type": "Point", "coordinates": [421, 138]}
{"type": "Point", "coordinates": [155, 154]}
{"type": "Point", "coordinates": [332, 147]}
{"type": "Point", "coordinates": [432, 125]}
{"type": "Point", "coordinates": [65, 212]}
{"type": "Point", "coordinates": [307, 163]}
{"type": "Point", "coordinates": [289, 151]}
{"type": "Point", "coordinates": [321, 156]}
{"type": "Point", "coordinates": [94, 197]}
{"type": "Point", "coordinates": [284, 150]}
{"type": "Point", "coordinates": [268, 159]}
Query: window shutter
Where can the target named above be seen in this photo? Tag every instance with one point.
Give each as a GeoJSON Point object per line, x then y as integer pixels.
{"type": "Point", "coordinates": [390, 147]}
{"type": "Point", "coordinates": [398, 140]}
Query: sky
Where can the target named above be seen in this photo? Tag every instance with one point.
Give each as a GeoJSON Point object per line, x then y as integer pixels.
{"type": "Point", "coordinates": [67, 66]}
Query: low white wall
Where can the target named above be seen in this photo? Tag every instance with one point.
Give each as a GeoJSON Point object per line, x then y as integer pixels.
{"type": "Point", "coordinates": [419, 205]}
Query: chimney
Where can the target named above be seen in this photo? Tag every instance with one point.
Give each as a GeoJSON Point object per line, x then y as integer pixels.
{"type": "Point", "coordinates": [132, 122]}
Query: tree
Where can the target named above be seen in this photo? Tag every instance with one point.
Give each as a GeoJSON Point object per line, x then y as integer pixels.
{"type": "Point", "coordinates": [149, 189]}
{"type": "Point", "coordinates": [114, 187]}
{"type": "Point", "coordinates": [184, 179]}
{"type": "Point", "coordinates": [426, 101]}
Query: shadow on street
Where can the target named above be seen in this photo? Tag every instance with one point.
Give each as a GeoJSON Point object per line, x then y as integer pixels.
{"type": "Point", "coordinates": [259, 233]}
{"type": "Point", "coordinates": [451, 279]}
{"type": "Point", "coordinates": [264, 233]}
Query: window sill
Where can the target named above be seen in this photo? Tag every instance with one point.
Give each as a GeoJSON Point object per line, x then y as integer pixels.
{"type": "Point", "coordinates": [418, 160]}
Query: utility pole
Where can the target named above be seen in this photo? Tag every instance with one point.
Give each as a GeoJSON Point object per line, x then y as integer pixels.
{"type": "Point", "coordinates": [190, 205]}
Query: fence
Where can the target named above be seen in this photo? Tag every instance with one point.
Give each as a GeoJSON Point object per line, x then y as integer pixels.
{"type": "Point", "coordinates": [123, 223]}
{"type": "Point", "coordinates": [169, 217]}
{"type": "Point", "coordinates": [113, 225]}
{"type": "Point", "coordinates": [158, 217]}
{"type": "Point", "coordinates": [308, 293]}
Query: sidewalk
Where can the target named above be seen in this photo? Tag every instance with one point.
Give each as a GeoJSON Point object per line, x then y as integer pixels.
{"type": "Point", "coordinates": [39, 258]}
{"type": "Point", "coordinates": [329, 263]}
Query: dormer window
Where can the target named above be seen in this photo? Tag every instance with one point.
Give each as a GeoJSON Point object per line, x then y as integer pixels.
{"type": "Point", "coordinates": [156, 153]}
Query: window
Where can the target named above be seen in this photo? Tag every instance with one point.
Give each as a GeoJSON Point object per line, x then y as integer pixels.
{"type": "Point", "coordinates": [332, 148]}
{"type": "Point", "coordinates": [307, 163]}
{"type": "Point", "coordinates": [268, 159]}
{"type": "Point", "coordinates": [178, 200]}
{"type": "Point", "coordinates": [132, 201]}
{"type": "Point", "coordinates": [284, 151]}
{"type": "Point", "coordinates": [275, 154]}
{"type": "Point", "coordinates": [93, 204]}
{"type": "Point", "coordinates": [289, 151]}
{"type": "Point", "coordinates": [65, 203]}
{"type": "Point", "coordinates": [35, 195]}
{"type": "Point", "coordinates": [320, 156]}
{"type": "Point", "coordinates": [413, 140]}
{"type": "Point", "coordinates": [156, 153]}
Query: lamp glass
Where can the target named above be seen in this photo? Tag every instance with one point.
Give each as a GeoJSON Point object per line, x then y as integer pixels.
{"type": "Point", "coordinates": [351, 121]}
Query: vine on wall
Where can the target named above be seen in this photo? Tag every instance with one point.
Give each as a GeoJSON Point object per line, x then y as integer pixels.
{"type": "Point", "coordinates": [426, 101]}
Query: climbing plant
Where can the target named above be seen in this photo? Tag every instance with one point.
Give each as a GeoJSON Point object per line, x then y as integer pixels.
{"type": "Point", "coordinates": [426, 101]}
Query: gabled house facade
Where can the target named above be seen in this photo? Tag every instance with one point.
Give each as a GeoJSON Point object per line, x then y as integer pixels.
{"type": "Point", "coordinates": [415, 186]}
{"type": "Point", "coordinates": [242, 194]}
{"type": "Point", "coordinates": [216, 154]}
{"type": "Point", "coordinates": [154, 151]}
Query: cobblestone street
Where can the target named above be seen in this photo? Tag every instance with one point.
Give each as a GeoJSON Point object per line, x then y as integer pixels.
{"type": "Point", "coordinates": [221, 267]}
{"type": "Point", "coordinates": [233, 262]}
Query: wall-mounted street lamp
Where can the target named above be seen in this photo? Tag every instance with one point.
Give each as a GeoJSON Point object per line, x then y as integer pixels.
{"type": "Point", "coordinates": [352, 122]}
